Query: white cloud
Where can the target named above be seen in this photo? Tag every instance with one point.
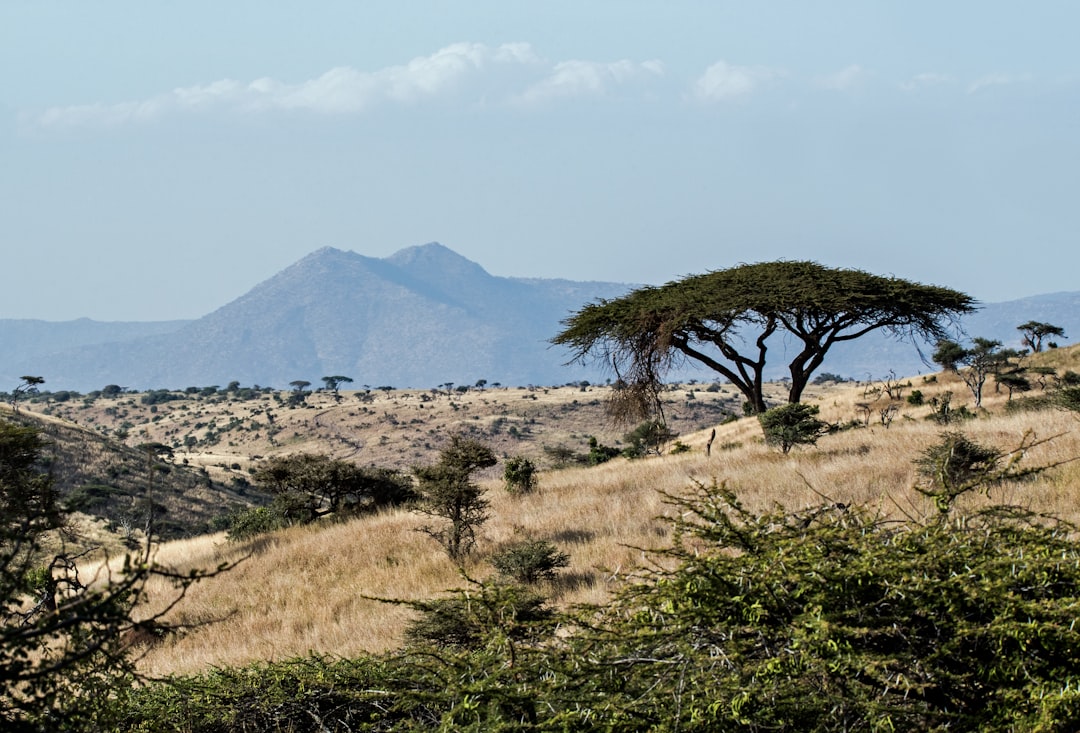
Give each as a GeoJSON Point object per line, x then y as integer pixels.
{"type": "Point", "coordinates": [924, 80]}
{"type": "Point", "coordinates": [995, 80]}
{"type": "Point", "coordinates": [338, 91]}
{"type": "Point", "coordinates": [842, 80]}
{"type": "Point", "coordinates": [723, 81]}
{"type": "Point", "coordinates": [589, 78]}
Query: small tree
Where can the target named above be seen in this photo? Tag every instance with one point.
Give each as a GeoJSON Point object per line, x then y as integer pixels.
{"type": "Point", "coordinates": [449, 494]}
{"type": "Point", "coordinates": [530, 562]}
{"type": "Point", "coordinates": [790, 425]}
{"type": "Point", "coordinates": [334, 383]}
{"type": "Point", "coordinates": [62, 650]}
{"type": "Point", "coordinates": [649, 437]}
{"type": "Point", "coordinates": [307, 486]}
{"type": "Point", "coordinates": [975, 363]}
{"type": "Point", "coordinates": [1033, 333]}
{"type": "Point", "coordinates": [520, 475]}
{"type": "Point", "coordinates": [28, 385]}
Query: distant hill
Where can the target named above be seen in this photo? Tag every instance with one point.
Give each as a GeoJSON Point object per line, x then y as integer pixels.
{"type": "Point", "coordinates": [419, 318]}
{"type": "Point", "coordinates": [422, 317]}
{"type": "Point", "coordinates": [102, 477]}
{"type": "Point", "coordinates": [25, 343]}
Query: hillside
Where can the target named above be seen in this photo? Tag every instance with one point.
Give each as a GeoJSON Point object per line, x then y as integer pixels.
{"type": "Point", "coordinates": [420, 318]}
{"type": "Point", "coordinates": [307, 589]}
{"type": "Point", "coordinates": [225, 432]}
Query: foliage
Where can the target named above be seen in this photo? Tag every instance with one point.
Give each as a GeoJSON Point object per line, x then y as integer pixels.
{"type": "Point", "coordinates": [1033, 333]}
{"type": "Point", "coordinates": [307, 486]}
{"type": "Point", "coordinates": [707, 319]}
{"type": "Point", "coordinates": [159, 396]}
{"type": "Point", "coordinates": [975, 363]}
{"type": "Point", "coordinates": [599, 453]}
{"type": "Point", "coordinates": [464, 619]}
{"type": "Point", "coordinates": [449, 494]}
{"type": "Point", "coordinates": [345, 695]}
{"type": "Point", "coordinates": [648, 437]}
{"type": "Point", "coordinates": [519, 473]}
{"type": "Point", "coordinates": [827, 377]}
{"type": "Point", "coordinates": [62, 651]}
{"type": "Point", "coordinates": [830, 618]}
{"type": "Point", "coordinates": [792, 424]}
{"type": "Point", "coordinates": [244, 524]}
{"type": "Point", "coordinates": [28, 385]}
{"type": "Point", "coordinates": [530, 561]}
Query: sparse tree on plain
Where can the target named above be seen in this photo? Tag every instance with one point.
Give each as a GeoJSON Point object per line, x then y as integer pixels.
{"type": "Point", "coordinates": [28, 385]}
{"type": "Point", "coordinates": [448, 493]}
{"type": "Point", "coordinates": [709, 318]}
{"type": "Point", "coordinates": [975, 363]}
{"type": "Point", "coordinates": [1033, 333]}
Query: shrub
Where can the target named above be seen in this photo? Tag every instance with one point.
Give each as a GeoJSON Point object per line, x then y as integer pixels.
{"type": "Point", "coordinates": [648, 437]}
{"type": "Point", "coordinates": [530, 562]}
{"type": "Point", "coordinates": [599, 453]}
{"type": "Point", "coordinates": [792, 424]}
{"type": "Point", "coordinates": [248, 523]}
{"type": "Point", "coordinates": [520, 475]}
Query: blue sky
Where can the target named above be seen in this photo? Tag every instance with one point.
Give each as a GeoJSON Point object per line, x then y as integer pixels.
{"type": "Point", "coordinates": [158, 160]}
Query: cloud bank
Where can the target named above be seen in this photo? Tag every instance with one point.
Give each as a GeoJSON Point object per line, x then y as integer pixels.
{"type": "Point", "coordinates": [458, 68]}
{"type": "Point", "coordinates": [508, 74]}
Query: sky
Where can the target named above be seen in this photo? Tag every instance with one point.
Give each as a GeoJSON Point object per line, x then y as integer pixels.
{"type": "Point", "coordinates": [158, 160]}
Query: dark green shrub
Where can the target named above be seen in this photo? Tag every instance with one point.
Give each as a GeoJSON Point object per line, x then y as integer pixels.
{"type": "Point", "coordinates": [599, 453]}
{"type": "Point", "coordinates": [916, 399]}
{"type": "Point", "coordinates": [792, 424]}
{"type": "Point", "coordinates": [648, 437]}
{"type": "Point", "coordinates": [519, 474]}
{"type": "Point", "coordinates": [530, 562]}
{"type": "Point", "coordinates": [249, 523]}
{"type": "Point", "coordinates": [465, 620]}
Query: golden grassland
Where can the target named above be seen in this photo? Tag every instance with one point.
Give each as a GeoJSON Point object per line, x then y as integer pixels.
{"type": "Point", "coordinates": [388, 428]}
{"type": "Point", "coordinates": [309, 589]}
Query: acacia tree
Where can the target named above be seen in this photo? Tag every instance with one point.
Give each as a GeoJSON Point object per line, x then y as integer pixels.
{"type": "Point", "coordinates": [334, 383]}
{"type": "Point", "coordinates": [724, 320]}
{"type": "Point", "coordinates": [449, 493]}
{"type": "Point", "coordinates": [975, 363]}
{"type": "Point", "coordinates": [28, 385]}
{"type": "Point", "coordinates": [307, 486]}
{"type": "Point", "coordinates": [1034, 332]}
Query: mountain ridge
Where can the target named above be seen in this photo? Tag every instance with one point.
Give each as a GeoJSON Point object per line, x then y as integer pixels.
{"type": "Point", "coordinates": [421, 317]}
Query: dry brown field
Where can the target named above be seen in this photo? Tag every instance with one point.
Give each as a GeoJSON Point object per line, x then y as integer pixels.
{"type": "Point", "coordinates": [311, 589]}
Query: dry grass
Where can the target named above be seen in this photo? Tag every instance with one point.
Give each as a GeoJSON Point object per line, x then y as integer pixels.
{"type": "Point", "coordinates": [307, 589]}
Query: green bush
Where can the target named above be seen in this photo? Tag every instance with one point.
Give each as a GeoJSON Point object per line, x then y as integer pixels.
{"type": "Point", "coordinates": [599, 453]}
{"type": "Point", "coordinates": [519, 473]}
{"type": "Point", "coordinates": [648, 437]}
{"type": "Point", "coordinates": [530, 562]}
{"type": "Point", "coordinates": [792, 424]}
{"type": "Point", "coordinates": [249, 523]}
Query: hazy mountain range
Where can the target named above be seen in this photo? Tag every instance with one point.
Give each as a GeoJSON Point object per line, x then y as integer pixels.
{"type": "Point", "coordinates": [419, 318]}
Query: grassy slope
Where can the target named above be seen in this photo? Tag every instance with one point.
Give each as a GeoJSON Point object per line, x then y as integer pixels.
{"type": "Point", "coordinates": [304, 589]}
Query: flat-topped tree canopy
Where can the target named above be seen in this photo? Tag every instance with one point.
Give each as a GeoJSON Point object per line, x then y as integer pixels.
{"type": "Point", "coordinates": [723, 319]}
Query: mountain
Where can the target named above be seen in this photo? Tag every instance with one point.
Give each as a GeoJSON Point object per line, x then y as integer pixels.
{"type": "Point", "coordinates": [422, 317]}
{"type": "Point", "coordinates": [27, 342]}
{"type": "Point", "coordinates": [875, 355]}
